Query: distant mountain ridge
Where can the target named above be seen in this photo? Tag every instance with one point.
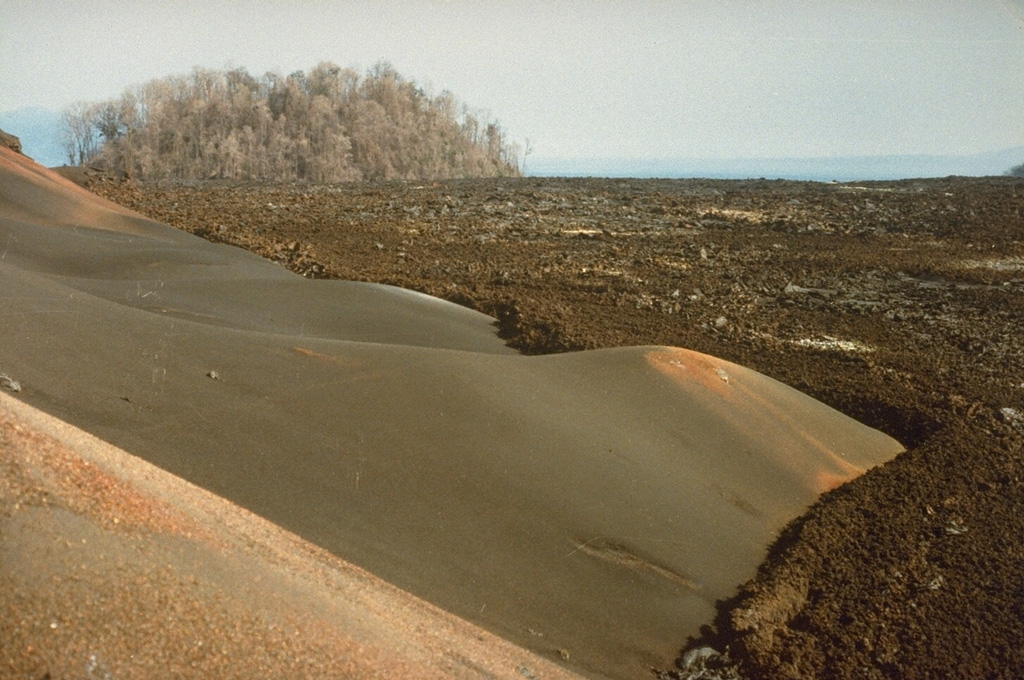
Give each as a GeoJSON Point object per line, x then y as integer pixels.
{"type": "Point", "coordinates": [842, 168]}
{"type": "Point", "coordinates": [39, 131]}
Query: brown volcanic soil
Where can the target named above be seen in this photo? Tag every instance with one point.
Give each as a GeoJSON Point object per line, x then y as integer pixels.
{"type": "Point", "coordinates": [900, 303]}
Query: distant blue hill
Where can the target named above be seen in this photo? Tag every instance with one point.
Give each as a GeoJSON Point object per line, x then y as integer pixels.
{"type": "Point", "coordinates": [842, 169]}
{"type": "Point", "coordinates": [39, 131]}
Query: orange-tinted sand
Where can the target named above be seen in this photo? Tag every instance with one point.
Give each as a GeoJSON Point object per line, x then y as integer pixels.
{"type": "Point", "coordinates": [110, 567]}
{"type": "Point", "coordinates": [591, 507]}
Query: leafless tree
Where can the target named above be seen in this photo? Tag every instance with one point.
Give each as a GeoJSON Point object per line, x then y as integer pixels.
{"type": "Point", "coordinates": [527, 150]}
{"type": "Point", "coordinates": [329, 125]}
{"type": "Point", "coordinates": [78, 132]}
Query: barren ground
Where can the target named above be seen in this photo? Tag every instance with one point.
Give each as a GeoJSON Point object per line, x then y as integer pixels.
{"type": "Point", "coordinates": [899, 303]}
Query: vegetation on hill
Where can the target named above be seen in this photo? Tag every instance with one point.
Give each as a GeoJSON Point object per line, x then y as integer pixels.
{"type": "Point", "coordinates": [1016, 171]}
{"type": "Point", "coordinates": [330, 125]}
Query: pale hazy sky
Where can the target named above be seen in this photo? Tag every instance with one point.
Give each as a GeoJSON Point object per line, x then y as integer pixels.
{"type": "Point", "coordinates": [589, 79]}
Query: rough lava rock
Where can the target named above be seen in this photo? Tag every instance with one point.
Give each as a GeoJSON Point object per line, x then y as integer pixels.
{"type": "Point", "coordinates": [11, 142]}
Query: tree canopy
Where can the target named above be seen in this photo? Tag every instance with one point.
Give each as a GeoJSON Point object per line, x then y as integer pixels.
{"type": "Point", "coordinates": [328, 125]}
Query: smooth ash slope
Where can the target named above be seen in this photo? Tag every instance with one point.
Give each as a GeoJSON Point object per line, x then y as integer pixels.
{"type": "Point", "coordinates": [589, 506]}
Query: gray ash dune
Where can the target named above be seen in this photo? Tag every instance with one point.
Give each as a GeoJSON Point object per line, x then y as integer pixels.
{"type": "Point", "coordinates": [591, 507]}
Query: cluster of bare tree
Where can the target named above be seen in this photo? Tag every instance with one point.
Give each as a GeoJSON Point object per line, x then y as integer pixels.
{"type": "Point", "coordinates": [329, 125]}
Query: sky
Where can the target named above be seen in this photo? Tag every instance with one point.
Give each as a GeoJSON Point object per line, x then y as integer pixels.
{"type": "Point", "coordinates": [640, 79]}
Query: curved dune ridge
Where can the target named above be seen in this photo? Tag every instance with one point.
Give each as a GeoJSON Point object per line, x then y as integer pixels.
{"type": "Point", "coordinates": [590, 507]}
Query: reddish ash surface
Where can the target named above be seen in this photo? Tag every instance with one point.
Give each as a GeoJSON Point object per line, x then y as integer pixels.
{"type": "Point", "coordinates": [753, 412]}
{"type": "Point", "coordinates": [81, 207]}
